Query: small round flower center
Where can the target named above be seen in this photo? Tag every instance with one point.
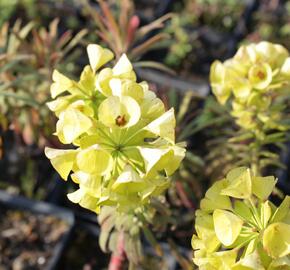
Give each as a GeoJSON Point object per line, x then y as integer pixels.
{"type": "Point", "coordinates": [120, 120]}
{"type": "Point", "coordinates": [118, 147]}
{"type": "Point", "coordinates": [261, 75]}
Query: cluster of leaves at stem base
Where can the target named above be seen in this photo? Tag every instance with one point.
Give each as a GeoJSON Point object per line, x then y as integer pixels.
{"type": "Point", "coordinates": [237, 227]}
{"type": "Point", "coordinates": [125, 140]}
{"type": "Point", "coordinates": [130, 226]}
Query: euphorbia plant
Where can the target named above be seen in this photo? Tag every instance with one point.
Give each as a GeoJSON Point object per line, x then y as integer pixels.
{"type": "Point", "coordinates": [253, 87]}
{"type": "Point", "coordinates": [238, 228]}
{"type": "Point", "coordinates": [256, 78]}
{"type": "Point", "coordinates": [255, 83]}
{"type": "Point", "coordinates": [124, 141]}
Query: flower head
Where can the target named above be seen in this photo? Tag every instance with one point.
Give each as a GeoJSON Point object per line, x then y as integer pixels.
{"type": "Point", "coordinates": [237, 226]}
{"type": "Point", "coordinates": [253, 80]}
{"type": "Point", "coordinates": [125, 143]}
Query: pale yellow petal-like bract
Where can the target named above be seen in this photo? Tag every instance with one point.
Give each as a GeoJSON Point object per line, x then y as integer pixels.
{"type": "Point", "coordinates": [98, 56]}
{"type": "Point", "coordinates": [61, 160]}
{"type": "Point", "coordinates": [227, 226]}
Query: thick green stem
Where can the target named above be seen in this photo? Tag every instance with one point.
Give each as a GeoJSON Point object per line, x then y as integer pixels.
{"type": "Point", "coordinates": [255, 162]}
{"type": "Point", "coordinates": [132, 266]}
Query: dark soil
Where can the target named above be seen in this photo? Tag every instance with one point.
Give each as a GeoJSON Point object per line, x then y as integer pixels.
{"type": "Point", "coordinates": [27, 241]}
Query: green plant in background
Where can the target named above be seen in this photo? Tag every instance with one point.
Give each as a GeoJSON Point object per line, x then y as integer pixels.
{"type": "Point", "coordinates": [223, 19]}
{"type": "Point", "coordinates": [10, 58]}
{"type": "Point", "coordinates": [191, 20]}
{"type": "Point", "coordinates": [216, 127]}
{"type": "Point", "coordinates": [6, 9]}
{"type": "Point", "coordinates": [125, 142]}
{"type": "Point", "coordinates": [187, 180]}
{"type": "Point", "coordinates": [28, 56]}
{"type": "Point", "coordinates": [122, 33]}
{"type": "Point", "coordinates": [187, 186]}
{"type": "Point", "coordinates": [239, 228]}
{"type": "Point", "coordinates": [271, 22]}
{"type": "Point", "coordinates": [40, 12]}
{"type": "Point", "coordinates": [181, 43]}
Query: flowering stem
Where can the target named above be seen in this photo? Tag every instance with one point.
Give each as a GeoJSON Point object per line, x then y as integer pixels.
{"type": "Point", "coordinates": [255, 164]}
{"type": "Point", "coordinates": [132, 266]}
{"type": "Point", "coordinates": [118, 258]}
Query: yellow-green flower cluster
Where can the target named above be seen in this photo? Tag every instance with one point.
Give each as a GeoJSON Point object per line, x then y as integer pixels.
{"type": "Point", "coordinates": [256, 78]}
{"type": "Point", "coordinates": [125, 140]}
{"type": "Point", "coordinates": [237, 228]}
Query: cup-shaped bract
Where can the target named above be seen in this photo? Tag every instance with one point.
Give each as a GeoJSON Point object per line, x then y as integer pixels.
{"type": "Point", "coordinates": [120, 112]}
{"type": "Point", "coordinates": [124, 141]}
{"type": "Point", "coordinates": [237, 226]}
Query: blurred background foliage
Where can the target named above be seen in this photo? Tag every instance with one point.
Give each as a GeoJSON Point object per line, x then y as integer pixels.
{"type": "Point", "coordinates": [180, 37]}
{"type": "Point", "coordinates": [272, 22]}
{"type": "Point", "coordinates": [196, 26]}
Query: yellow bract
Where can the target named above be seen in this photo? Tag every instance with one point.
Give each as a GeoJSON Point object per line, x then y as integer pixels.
{"type": "Point", "coordinates": [213, 198]}
{"type": "Point", "coordinates": [239, 183]}
{"type": "Point", "coordinates": [94, 160]}
{"type": "Point", "coordinates": [163, 126]}
{"type": "Point", "coordinates": [98, 56]}
{"type": "Point", "coordinates": [60, 85]}
{"type": "Point", "coordinates": [261, 190]}
{"type": "Point", "coordinates": [61, 160]}
{"type": "Point", "coordinates": [276, 240]}
{"type": "Point", "coordinates": [218, 82]}
{"type": "Point", "coordinates": [227, 226]}
{"type": "Point", "coordinates": [72, 123]}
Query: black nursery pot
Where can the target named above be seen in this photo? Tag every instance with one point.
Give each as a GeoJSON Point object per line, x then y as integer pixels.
{"type": "Point", "coordinates": [42, 222]}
